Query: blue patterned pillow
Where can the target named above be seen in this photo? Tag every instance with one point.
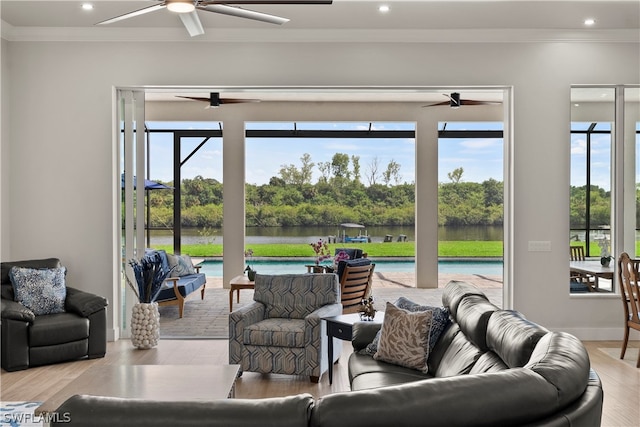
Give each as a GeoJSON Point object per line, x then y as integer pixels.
{"type": "Point", "coordinates": [42, 291]}
{"type": "Point", "coordinates": [439, 322]}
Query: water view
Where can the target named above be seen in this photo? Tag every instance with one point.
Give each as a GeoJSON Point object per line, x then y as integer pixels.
{"type": "Point", "coordinates": [256, 235]}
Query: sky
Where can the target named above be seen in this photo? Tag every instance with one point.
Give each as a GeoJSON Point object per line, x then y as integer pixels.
{"type": "Point", "coordinates": [480, 159]}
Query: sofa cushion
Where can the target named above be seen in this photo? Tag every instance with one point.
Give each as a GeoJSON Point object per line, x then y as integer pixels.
{"type": "Point", "coordinates": [98, 411]}
{"type": "Point", "coordinates": [275, 332]}
{"type": "Point", "coordinates": [186, 285]}
{"type": "Point", "coordinates": [404, 338]}
{"type": "Point", "coordinates": [295, 296]}
{"type": "Point", "coordinates": [512, 337]}
{"type": "Point", "coordinates": [42, 291]}
{"type": "Point", "coordinates": [473, 317]}
{"type": "Point", "coordinates": [365, 372]}
{"type": "Point", "coordinates": [58, 329]}
{"type": "Point", "coordinates": [180, 265]}
{"type": "Point", "coordinates": [455, 291]}
{"type": "Point", "coordinates": [458, 358]}
{"type": "Point", "coordinates": [488, 362]}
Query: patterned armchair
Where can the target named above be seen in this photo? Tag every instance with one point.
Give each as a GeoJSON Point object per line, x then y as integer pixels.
{"type": "Point", "coordinates": [282, 330]}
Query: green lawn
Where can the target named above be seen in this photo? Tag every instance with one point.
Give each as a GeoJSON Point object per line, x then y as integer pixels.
{"type": "Point", "coordinates": [393, 249]}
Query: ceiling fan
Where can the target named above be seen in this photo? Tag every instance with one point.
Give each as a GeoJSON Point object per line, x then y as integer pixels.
{"type": "Point", "coordinates": [186, 10]}
{"type": "Point", "coordinates": [456, 102]}
{"type": "Point", "coordinates": [215, 101]}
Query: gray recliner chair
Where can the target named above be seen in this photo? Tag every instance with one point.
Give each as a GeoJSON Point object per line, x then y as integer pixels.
{"type": "Point", "coordinates": [29, 340]}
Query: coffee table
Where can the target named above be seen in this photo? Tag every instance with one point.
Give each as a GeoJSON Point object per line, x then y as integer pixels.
{"type": "Point", "coordinates": [155, 382]}
{"type": "Point", "coordinates": [237, 283]}
{"type": "Point", "coordinates": [341, 327]}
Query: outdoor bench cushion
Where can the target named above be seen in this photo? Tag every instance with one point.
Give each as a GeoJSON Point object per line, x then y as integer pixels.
{"type": "Point", "coordinates": [186, 285]}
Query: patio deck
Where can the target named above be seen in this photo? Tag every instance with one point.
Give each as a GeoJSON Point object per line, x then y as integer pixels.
{"type": "Point", "coordinates": [208, 318]}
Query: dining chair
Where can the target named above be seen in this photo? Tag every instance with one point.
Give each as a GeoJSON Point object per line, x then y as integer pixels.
{"type": "Point", "coordinates": [576, 253]}
{"type": "Point", "coordinates": [630, 293]}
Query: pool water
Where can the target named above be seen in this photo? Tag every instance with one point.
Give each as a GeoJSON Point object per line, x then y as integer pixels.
{"type": "Point", "coordinates": [489, 268]}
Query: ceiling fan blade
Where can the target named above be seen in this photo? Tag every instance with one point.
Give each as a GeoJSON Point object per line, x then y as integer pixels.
{"type": "Point", "coordinates": [192, 23]}
{"type": "Point", "coordinates": [237, 100]}
{"type": "Point", "coordinates": [244, 13]}
{"type": "Point", "coordinates": [286, 2]}
{"type": "Point", "coordinates": [472, 102]}
{"type": "Point", "coordinates": [132, 14]}
{"type": "Point", "coordinates": [436, 104]}
{"type": "Point", "coordinates": [219, 100]}
{"type": "Point", "coordinates": [194, 98]}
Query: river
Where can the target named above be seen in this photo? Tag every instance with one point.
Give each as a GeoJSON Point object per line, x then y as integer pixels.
{"type": "Point", "coordinates": [304, 234]}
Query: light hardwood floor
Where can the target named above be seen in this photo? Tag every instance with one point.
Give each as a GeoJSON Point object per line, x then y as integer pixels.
{"type": "Point", "coordinates": [621, 380]}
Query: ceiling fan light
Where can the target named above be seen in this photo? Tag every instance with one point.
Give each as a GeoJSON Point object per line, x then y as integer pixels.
{"type": "Point", "coordinates": [181, 6]}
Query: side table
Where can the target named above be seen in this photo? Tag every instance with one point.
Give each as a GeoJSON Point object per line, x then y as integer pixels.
{"type": "Point", "coordinates": [341, 327]}
{"type": "Point", "coordinates": [237, 283]}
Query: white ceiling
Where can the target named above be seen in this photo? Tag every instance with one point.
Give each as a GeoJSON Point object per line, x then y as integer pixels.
{"type": "Point", "coordinates": [345, 15]}
{"type": "Point", "coordinates": [344, 20]}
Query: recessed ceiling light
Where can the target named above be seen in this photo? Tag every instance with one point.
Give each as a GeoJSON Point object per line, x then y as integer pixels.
{"type": "Point", "coordinates": [87, 6]}
{"type": "Point", "coordinates": [589, 21]}
{"type": "Point", "coordinates": [384, 8]}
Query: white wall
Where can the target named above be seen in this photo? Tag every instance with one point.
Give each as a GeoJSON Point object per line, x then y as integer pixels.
{"type": "Point", "coordinates": [60, 138]}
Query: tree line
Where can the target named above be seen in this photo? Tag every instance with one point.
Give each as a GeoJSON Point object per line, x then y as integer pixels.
{"type": "Point", "coordinates": [340, 195]}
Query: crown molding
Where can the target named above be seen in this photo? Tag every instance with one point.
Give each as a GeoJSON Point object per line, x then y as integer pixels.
{"type": "Point", "coordinates": [100, 34]}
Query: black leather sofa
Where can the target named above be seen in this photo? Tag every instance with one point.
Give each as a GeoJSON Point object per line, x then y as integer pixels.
{"type": "Point", "coordinates": [490, 367]}
{"type": "Point", "coordinates": [29, 340]}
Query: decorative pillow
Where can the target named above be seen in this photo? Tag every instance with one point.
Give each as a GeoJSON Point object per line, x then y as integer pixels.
{"type": "Point", "coordinates": [440, 317]}
{"type": "Point", "coordinates": [438, 324]}
{"type": "Point", "coordinates": [42, 291]}
{"type": "Point", "coordinates": [404, 336]}
{"type": "Point", "coordinates": [181, 265]}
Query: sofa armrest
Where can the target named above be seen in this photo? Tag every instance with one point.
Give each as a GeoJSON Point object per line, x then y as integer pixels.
{"type": "Point", "coordinates": [363, 334]}
{"type": "Point", "coordinates": [313, 324]}
{"type": "Point", "coordinates": [15, 311]}
{"type": "Point", "coordinates": [248, 315]}
{"type": "Point", "coordinates": [512, 397]}
{"type": "Point", "coordinates": [84, 303]}
{"type": "Point", "coordinates": [329, 310]}
{"type": "Point", "coordinates": [238, 320]}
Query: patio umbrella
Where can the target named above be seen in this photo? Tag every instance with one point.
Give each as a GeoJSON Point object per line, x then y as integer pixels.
{"type": "Point", "coordinates": [148, 185]}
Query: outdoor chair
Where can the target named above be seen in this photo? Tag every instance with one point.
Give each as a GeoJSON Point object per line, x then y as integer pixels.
{"type": "Point", "coordinates": [282, 331]}
{"type": "Point", "coordinates": [51, 330]}
{"type": "Point", "coordinates": [353, 253]}
{"type": "Point", "coordinates": [630, 293]}
{"type": "Point", "coordinates": [579, 282]}
{"type": "Point", "coordinates": [355, 285]}
{"type": "Point", "coordinates": [185, 280]}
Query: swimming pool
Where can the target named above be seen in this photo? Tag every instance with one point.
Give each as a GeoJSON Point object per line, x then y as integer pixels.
{"type": "Point", "coordinates": [213, 268]}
